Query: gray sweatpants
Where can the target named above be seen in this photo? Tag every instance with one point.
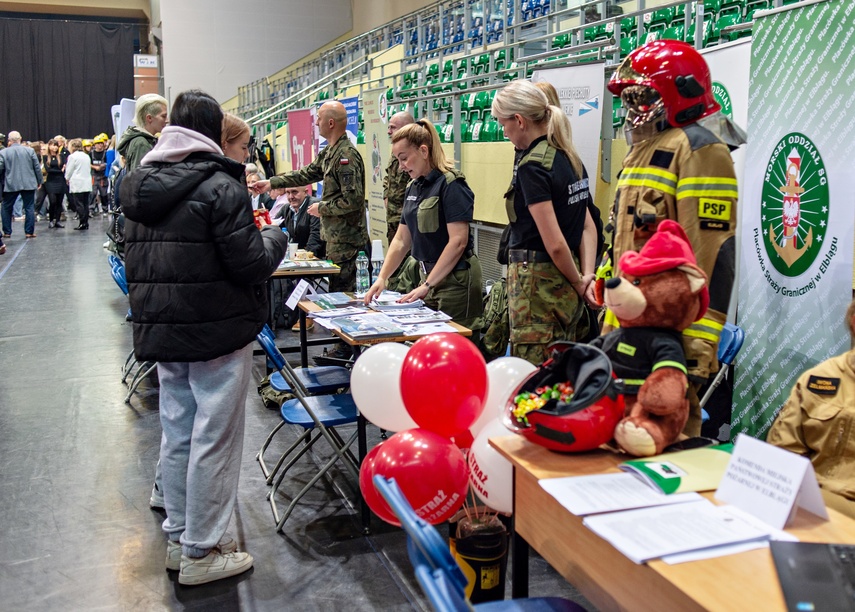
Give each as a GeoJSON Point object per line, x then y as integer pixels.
{"type": "Point", "coordinates": [202, 406]}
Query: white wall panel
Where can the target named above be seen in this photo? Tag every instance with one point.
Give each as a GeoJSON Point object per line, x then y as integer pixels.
{"type": "Point", "coordinates": [219, 45]}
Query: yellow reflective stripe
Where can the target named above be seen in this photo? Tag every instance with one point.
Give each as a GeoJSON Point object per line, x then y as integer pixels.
{"type": "Point", "coordinates": [649, 177]}
{"type": "Point", "coordinates": [670, 364]}
{"type": "Point", "coordinates": [610, 319]}
{"type": "Point", "coordinates": [707, 193]}
{"type": "Point", "coordinates": [698, 333]}
{"type": "Point", "coordinates": [711, 186]}
{"type": "Point", "coordinates": [710, 323]}
{"type": "Point", "coordinates": [632, 171]}
{"type": "Point", "coordinates": [633, 381]}
{"type": "Point", "coordinates": [646, 182]}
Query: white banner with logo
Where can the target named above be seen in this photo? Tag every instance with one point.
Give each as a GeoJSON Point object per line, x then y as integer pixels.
{"type": "Point", "coordinates": [797, 202]}
{"type": "Point", "coordinates": [375, 119]}
{"type": "Point", "coordinates": [581, 91]}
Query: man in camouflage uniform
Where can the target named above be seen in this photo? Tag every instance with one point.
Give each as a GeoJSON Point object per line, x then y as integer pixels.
{"type": "Point", "coordinates": [342, 207]}
{"type": "Point", "coordinates": [678, 169]}
{"type": "Point", "coordinates": [395, 181]}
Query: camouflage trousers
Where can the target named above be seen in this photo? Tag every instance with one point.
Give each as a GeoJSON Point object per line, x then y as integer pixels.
{"type": "Point", "coordinates": [543, 308]}
{"type": "Point", "coordinates": [459, 295]}
{"type": "Point", "coordinates": [344, 256]}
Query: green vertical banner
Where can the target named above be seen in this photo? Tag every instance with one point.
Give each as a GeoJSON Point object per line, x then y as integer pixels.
{"type": "Point", "coordinates": [797, 210]}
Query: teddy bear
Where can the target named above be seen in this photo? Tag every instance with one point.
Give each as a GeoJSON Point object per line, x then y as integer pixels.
{"type": "Point", "coordinates": [658, 292]}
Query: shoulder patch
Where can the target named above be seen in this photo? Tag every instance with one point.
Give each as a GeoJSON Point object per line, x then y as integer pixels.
{"type": "Point", "coordinates": [542, 154]}
{"type": "Point", "coordinates": [699, 136]}
{"type": "Point", "coordinates": [821, 385]}
{"type": "Point", "coordinates": [344, 161]}
{"type": "Point", "coordinates": [452, 175]}
{"type": "Point", "coordinates": [662, 159]}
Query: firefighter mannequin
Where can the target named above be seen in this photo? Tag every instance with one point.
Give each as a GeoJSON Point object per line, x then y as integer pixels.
{"type": "Point", "coordinates": [679, 167]}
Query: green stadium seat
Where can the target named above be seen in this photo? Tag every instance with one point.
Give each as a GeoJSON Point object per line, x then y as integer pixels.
{"type": "Point", "coordinates": [432, 71]}
{"type": "Point", "coordinates": [675, 32]}
{"type": "Point", "coordinates": [560, 41]}
{"type": "Point", "coordinates": [627, 45]}
{"type": "Point", "coordinates": [723, 22]}
{"type": "Point", "coordinates": [470, 134]}
{"type": "Point", "coordinates": [589, 34]}
{"type": "Point", "coordinates": [752, 6]}
{"type": "Point", "coordinates": [490, 131]}
{"type": "Point", "coordinates": [660, 17]}
{"type": "Point", "coordinates": [448, 68]}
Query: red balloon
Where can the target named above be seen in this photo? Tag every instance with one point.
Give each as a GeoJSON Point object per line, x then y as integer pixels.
{"type": "Point", "coordinates": [430, 470]}
{"type": "Point", "coordinates": [374, 500]}
{"type": "Point", "coordinates": [444, 383]}
{"type": "Point", "coordinates": [463, 439]}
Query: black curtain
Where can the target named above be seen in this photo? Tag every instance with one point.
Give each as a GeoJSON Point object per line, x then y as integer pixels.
{"type": "Point", "coordinates": [62, 77]}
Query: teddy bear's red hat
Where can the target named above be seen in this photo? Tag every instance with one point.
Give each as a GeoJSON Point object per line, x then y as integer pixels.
{"type": "Point", "coordinates": [668, 248]}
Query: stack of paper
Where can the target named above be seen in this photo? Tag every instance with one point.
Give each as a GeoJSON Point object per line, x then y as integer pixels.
{"type": "Point", "coordinates": [650, 533]}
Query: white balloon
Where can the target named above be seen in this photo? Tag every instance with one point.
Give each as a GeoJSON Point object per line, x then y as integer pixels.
{"type": "Point", "coordinates": [491, 475]}
{"type": "Point", "coordinates": [376, 386]}
{"type": "Point", "coordinates": [504, 375]}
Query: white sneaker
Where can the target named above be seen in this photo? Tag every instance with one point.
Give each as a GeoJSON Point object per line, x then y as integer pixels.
{"type": "Point", "coordinates": [156, 500]}
{"type": "Point", "coordinates": [213, 566]}
{"type": "Point", "coordinates": [173, 551]}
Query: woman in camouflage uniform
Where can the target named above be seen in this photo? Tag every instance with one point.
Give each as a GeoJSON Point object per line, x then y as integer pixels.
{"type": "Point", "coordinates": [552, 243]}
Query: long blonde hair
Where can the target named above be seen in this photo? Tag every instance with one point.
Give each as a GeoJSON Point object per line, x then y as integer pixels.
{"type": "Point", "coordinates": [421, 133]}
{"type": "Point", "coordinates": [527, 100]}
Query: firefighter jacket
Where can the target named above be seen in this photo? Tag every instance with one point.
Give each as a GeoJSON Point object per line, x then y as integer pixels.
{"type": "Point", "coordinates": [817, 421]}
{"type": "Point", "coordinates": [685, 174]}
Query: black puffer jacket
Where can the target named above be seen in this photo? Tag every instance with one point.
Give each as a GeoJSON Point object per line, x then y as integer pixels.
{"type": "Point", "coordinates": [195, 262]}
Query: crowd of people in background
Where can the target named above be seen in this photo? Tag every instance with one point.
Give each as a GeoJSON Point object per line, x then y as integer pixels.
{"type": "Point", "coordinates": [91, 174]}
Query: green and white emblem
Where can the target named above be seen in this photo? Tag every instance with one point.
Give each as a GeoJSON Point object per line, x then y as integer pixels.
{"type": "Point", "coordinates": [794, 215]}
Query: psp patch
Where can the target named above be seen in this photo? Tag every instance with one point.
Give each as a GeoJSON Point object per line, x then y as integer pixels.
{"type": "Point", "coordinates": [716, 210]}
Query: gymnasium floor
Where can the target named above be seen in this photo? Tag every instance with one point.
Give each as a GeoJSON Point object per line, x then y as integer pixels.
{"type": "Point", "coordinates": [77, 462]}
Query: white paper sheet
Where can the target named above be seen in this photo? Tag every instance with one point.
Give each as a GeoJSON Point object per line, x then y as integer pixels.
{"type": "Point", "coordinates": [650, 533]}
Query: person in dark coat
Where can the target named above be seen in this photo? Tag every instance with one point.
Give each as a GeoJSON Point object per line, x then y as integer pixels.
{"type": "Point", "coordinates": [303, 228]}
{"type": "Point", "coordinates": [196, 266]}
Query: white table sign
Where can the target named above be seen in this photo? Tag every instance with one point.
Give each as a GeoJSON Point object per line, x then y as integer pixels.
{"type": "Point", "coordinates": [770, 482]}
{"type": "Point", "coordinates": [300, 291]}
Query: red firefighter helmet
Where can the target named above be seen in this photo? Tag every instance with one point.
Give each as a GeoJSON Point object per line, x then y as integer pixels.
{"type": "Point", "coordinates": [677, 72]}
{"type": "Point", "coordinates": [586, 420]}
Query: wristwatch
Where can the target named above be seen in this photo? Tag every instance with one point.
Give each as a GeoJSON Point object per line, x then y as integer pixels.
{"type": "Point", "coordinates": [426, 284]}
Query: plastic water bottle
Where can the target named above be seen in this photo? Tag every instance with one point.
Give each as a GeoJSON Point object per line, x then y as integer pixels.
{"type": "Point", "coordinates": [363, 282]}
{"type": "Point", "coordinates": [376, 259]}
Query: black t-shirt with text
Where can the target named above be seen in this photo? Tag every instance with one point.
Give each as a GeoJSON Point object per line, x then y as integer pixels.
{"type": "Point", "coordinates": [568, 193]}
{"type": "Point", "coordinates": [430, 204]}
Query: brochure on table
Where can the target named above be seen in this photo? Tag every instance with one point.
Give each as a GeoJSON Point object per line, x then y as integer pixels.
{"type": "Point", "coordinates": [383, 318]}
{"type": "Point", "coordinates": [697, 469]}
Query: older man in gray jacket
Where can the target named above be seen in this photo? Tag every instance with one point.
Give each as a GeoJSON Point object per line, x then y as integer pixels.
{"type": "Point", "coordinates": [22, 175]}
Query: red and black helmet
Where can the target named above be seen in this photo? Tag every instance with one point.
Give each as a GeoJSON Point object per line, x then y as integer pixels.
{"type": "Point", "coordinates": [583, 422]}
{"type": "Point", "coordinates": [677, 72]}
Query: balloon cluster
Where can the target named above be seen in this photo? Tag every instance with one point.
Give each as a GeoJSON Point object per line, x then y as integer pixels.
{"type": "Point", "coordinates": [443, 400]}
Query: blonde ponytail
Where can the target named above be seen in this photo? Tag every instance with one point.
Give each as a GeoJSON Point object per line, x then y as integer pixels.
{"type": "Point", "coordinates": [527, 100]}
{"type": "Point", "coordinates": [422, 132]}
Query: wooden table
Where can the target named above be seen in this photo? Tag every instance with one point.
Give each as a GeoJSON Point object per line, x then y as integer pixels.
{"type": "Point", "coordinates": [744, 581]}
{"type": "Point", "coordinates": [307, 306]}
